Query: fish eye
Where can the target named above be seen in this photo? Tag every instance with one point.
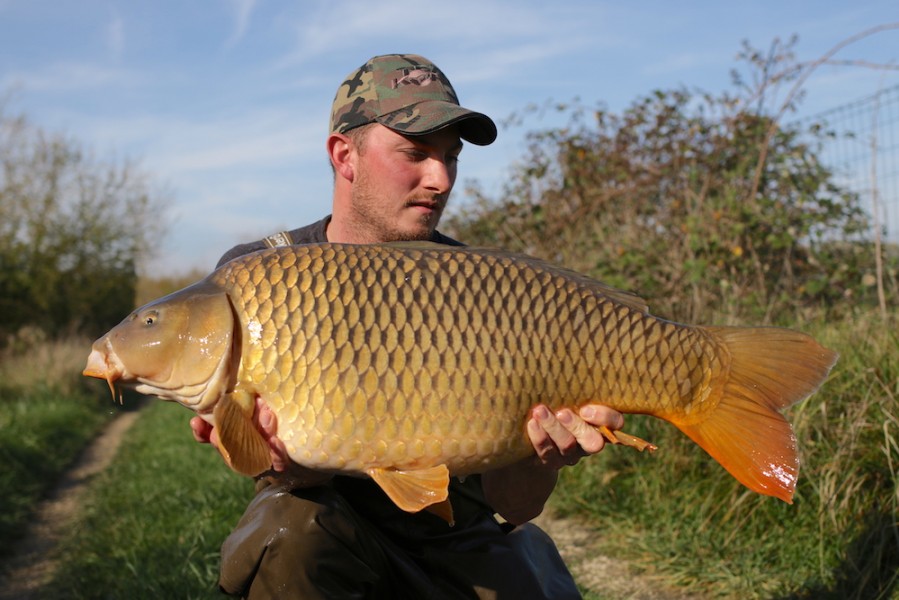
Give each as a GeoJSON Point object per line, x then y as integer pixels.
{"type": "Point", "coordinates": [150, 318]}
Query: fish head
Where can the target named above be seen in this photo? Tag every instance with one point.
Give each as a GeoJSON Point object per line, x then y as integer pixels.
{"type": "Point", "coordinates": [178, 348]}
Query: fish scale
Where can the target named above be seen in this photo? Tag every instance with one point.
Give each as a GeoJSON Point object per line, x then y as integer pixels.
{"type": "Point", "coordinates": [411, 362]}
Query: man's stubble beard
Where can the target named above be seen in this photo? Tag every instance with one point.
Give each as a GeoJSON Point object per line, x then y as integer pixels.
{"type": "Point", "coordinates": [370, 221]}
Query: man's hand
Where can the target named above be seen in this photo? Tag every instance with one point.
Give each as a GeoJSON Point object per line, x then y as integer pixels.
{"type": "Point", "coordinates": [283, 469]}
{"type": "Point", "coordinates": [563, 438]}
{"type": "Point", "coordinates": [518, 492]}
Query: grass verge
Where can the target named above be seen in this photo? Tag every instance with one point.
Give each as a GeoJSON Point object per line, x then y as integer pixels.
{"type": "Point", "coordinates": [155, 520]}
{"type": "Point", "coordinates": [47, 417]}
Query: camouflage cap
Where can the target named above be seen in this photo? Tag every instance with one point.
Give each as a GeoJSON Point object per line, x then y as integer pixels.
{"type": "Point", "coordinates": [408, 94]}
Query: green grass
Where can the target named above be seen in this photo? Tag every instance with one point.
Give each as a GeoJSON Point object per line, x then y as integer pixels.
{"type": "Point", "coordinates": [41, 433]}
{"type": "Point", "coordinates": [47, 416]}
{"type": "Point", "coordinates": [155, 520]}
{"type": "Point", "coordinates": [679, 514]}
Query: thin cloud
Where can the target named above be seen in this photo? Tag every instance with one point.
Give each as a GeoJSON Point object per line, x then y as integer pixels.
{"type": "Point", "coordinates": [317, 27]}
{"type": "Point", "coordinates": [115, 37]}
{"type": "Point", "coordinates": [69, 77]}
{"type": "Point", "coordinates": [501, 64]}
{"type": "Point", "coordinates": [260, 140]}
{"type": "Point", "coordinates": [242, 11]}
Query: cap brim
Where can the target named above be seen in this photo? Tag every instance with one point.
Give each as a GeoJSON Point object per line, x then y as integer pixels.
{"type": "Point", "coordinates": [430, 116]}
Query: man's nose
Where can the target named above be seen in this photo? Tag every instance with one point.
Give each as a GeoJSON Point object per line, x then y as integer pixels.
{"type": "Point", "coordinates": [440, 176]}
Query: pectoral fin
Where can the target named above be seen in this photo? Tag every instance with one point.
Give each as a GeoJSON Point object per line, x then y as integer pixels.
{"type": "Point", "coordinates": [241, 444]}
{"type": "Point", "coordinates": [415, 490]}
{"type": "Point", "coordinates": [444, 510]}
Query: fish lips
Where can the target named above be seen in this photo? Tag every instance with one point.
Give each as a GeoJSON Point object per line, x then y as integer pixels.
{"type": "Point", "coordinates": [100, 366]}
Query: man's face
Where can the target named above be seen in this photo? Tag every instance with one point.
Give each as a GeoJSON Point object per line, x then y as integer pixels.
{"type": "Point", "coordinates": [402, 184]}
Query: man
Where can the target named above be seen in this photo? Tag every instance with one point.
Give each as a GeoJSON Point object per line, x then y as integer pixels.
{"type": "Point", "coordinates": [395, 138]}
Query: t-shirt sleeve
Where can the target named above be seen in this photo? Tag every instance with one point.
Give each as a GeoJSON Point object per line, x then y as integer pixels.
{"type": "Point", "coordinates": [239, 250]}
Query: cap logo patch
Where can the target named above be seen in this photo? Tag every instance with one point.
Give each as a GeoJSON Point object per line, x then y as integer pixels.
{"type": "Point", "coordinates": [416, 76]}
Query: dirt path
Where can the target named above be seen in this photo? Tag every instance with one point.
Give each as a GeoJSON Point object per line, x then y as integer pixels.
{"type": "Point", "coordinates": [34, 559]}
{"type": "Point", "coordinates": [581, 547]}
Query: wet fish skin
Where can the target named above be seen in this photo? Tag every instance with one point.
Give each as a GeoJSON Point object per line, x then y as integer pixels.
{"type": "Point", "coordinates": [411, 362]}
{"type": "Point", "coordinates": [414, 347]}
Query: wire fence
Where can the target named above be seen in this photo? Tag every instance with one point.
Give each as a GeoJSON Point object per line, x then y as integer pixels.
{"type": "Point", "coordinates": [864, 153]}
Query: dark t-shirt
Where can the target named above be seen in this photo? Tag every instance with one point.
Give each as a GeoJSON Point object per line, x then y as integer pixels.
{"type": "Point", "coordinates": [310, 234]}
{"type": "Point", "coordinates": [467, 496]}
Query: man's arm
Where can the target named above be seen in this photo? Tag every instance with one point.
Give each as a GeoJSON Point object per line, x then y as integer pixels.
{"type": "Point", "coordinates": [518, 492]}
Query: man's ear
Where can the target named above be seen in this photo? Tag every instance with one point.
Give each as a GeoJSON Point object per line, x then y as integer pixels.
{"type": "Point", "coordinates": [341, 153]}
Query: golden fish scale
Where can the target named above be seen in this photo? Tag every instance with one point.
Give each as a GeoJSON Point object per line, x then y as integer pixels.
{"type": "Point", "coordinates": [383, 356]}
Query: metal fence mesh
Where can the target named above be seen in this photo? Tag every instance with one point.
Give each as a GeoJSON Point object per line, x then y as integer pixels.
{"type": "Point", "coordinates": [864, 152]}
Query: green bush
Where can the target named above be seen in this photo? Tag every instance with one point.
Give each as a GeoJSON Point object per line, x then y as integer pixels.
{"type": "Point", "coordinates": [707, 206]}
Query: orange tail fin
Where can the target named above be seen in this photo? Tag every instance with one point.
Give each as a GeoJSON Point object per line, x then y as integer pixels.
{"type": "Point", "coordinates": [770, 370]}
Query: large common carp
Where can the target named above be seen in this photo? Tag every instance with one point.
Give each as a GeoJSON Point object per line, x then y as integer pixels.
{"type": "Point", "coordinates": [412, 362]}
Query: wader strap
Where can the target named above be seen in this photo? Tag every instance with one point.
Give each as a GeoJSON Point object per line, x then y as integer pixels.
{"type": "Point", "coordinates": [278, 239]}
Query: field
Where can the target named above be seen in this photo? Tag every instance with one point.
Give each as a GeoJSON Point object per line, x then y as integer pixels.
{"type": "Point", "coordinates": [152, 523]}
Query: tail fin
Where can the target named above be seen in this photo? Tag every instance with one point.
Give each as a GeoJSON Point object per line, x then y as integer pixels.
{"type": "Point", "coordinates": [770, 370]}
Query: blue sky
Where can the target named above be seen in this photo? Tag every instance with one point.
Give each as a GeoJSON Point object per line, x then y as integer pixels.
{"type": "Point", "coordinates": [226, 102]}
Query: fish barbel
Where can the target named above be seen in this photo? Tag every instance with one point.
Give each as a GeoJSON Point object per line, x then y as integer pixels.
{"type": "Point", "coordinates": [413, 362]}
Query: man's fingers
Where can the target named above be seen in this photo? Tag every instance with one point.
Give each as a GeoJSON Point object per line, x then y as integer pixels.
{"type": "Point", "coordinates": [558, 433]}
{"type": "Point", "coordinates": [539, 438]}
{"type": "Point", "coordinates": [268, 423]}
{"type": "Point", "coordinates": [600, 415]}
{"type": "Point", "coordinates": [565, 437]}
{"type": "Point", "coordinates": [588, 438]}
{"type": "Point", "coordinates": [201, 429]}
{"type": "Point", "coordinates": [557, 446]}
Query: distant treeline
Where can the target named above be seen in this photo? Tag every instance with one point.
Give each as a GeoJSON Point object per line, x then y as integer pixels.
{"type": "Point", "coordinates": [72, 231]}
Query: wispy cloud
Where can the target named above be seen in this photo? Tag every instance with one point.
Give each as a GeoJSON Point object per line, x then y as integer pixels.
{"type": "Point", "coordinates": [466, 24]}
{"type": "Point", "coordinates": [500, 63]}
{"type": "Point", "coordinates": [69, 76]}
{"type": "Point", "coordinates": [242, 11]}
{"type": "Point", "coordinates": [173, 146]}
{"type": "Point", "coordinates": [115, 37]}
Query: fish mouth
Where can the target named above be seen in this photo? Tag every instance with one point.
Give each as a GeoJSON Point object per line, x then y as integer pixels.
{"type": "Point", "coordinates": [99, 366]}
